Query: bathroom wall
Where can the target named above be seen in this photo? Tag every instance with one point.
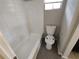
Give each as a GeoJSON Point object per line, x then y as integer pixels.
{"type": "Point", "coordinates": [55, 17]}
{"type": "Point", "coordinates": [68, 24]}
{"type": "Point", "coordinates": [35, 12]}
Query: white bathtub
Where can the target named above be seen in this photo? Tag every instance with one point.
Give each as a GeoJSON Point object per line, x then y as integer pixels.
{"type": "Point", "coordinates": [27, 48]}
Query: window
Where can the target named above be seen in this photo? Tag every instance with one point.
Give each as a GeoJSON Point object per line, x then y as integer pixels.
{"type": "Point", "coordinates": [52, 4]}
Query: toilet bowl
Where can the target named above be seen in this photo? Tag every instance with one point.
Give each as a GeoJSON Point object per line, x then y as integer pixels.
{"type": "Point", "coordinates": [49, 39]}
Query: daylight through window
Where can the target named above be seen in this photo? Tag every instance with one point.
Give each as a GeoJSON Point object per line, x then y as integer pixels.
{"type": "Point", "coordinates": [52, 4]}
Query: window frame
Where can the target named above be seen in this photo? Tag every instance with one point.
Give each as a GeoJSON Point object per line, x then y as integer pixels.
{"type": "Point", "coordinates": [52, 4]}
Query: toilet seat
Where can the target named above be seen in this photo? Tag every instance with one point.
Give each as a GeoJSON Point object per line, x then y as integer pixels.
{"type": "Point", "coordinates": [49, 40]}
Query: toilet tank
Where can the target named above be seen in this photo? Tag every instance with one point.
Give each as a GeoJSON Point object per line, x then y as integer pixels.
{"type": "Point", "coordinates": [50, 29]}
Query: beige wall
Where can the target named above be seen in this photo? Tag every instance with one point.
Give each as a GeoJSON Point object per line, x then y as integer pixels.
{"type": "Point", "coordinates": [55, 17]}
{"type": "Point", "coordinates": [68, 24]}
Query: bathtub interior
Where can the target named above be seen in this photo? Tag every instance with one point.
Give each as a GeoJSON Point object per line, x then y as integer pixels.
{"type": "Point", "coordinates": [15, 24]}
{"type": "Point", "coordinates": [27, 48]}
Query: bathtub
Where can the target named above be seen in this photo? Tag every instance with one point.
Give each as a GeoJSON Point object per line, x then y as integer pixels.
{"type": "Point", "coordinates": [27, 48]}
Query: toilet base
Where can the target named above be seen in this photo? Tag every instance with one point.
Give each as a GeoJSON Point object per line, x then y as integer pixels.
{"type": "Point", "coordinates": [48, 47]}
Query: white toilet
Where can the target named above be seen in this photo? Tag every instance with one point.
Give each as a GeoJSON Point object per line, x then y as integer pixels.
{"type": "Point", "coordinates": [49, 39]}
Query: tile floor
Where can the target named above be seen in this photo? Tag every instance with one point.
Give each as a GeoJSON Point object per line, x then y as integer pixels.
{"type": "Point", "coordinates": [74, 55]}
{"type": "Point", "coordinates": [46, 54]}
{"type": "Point", "coordinates": [1, 57]}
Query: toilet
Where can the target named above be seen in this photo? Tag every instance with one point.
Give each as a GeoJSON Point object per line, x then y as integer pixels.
{"type": "Point", "coordinates": [49, 39]}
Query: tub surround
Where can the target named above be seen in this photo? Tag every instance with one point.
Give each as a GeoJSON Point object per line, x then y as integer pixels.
{"type": "Point", "coordinates": [17, 24]}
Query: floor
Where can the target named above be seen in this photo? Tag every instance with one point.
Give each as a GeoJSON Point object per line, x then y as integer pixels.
{"type": "Point", "coordinates": [75, 52]}
{"type": "Point", "coordinates": [74, 55]}
{"type": "Point", "coordinates": [1, 57]}
{"type": "Point", "coordinates": [46, 54]}
{"type": "Point", "coordinates": [52, 54]}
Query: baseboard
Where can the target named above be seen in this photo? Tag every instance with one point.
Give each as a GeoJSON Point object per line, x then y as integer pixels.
{"type": "Point", "coordinates": [59, 52]}
{"type": "Point", "coordinates": [64, 57]}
